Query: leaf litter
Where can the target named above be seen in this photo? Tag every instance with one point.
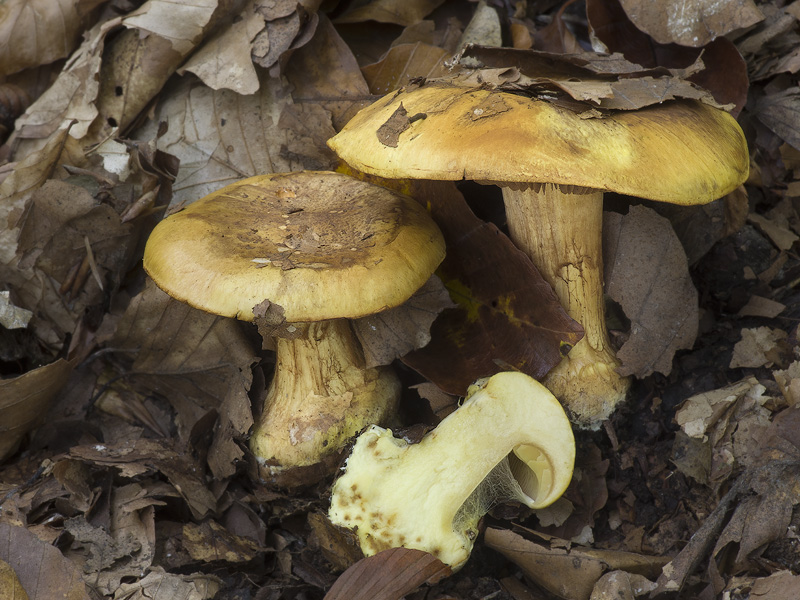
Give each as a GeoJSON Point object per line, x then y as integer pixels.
{"type": "Point", "coordinates": [125, 414]}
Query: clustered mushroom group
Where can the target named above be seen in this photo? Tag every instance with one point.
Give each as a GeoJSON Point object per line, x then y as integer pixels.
{"type": "Point", "coordinates": [305, 252]}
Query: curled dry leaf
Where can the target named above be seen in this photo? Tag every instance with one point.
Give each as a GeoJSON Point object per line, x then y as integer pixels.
{"type": "Point", "coordinates": [388, 575]}
{"type": "Point", "coordinates": [648, 275]}
{"type": "Point", "coordinates": [393, 333]}
{"type": "Point", "coordinates": [160, 585]}
{"type": "Point", "coordinates": [325, 72]}
{"type": "Point", "coordinates": [583, 81]}
{"type": "Point", "coordinates": [38, 32]}
{"type": "Point", "coordinates": [691, 22]}
{"type": "Point", "coordinates": [569, 573]}
{"type": "Point", "coordinates": [209, 541]}
{"type": "Point", "coordinates": [43, 571]}
{"type": "Point", "coordinates": [725, 74]}
{"type": "Point", "coordinates": [10, 586]}
{"type": "Point", "coordinates": [399, 12]}
{"type": "Point", "coordinates": [266, 132]}
{"type": "Point", "coordinates": [183, 24]}
{"type": "Point", "coordinates": [760, 347]}
{"type": "Point", "coordinates": [25, 400]}
{"type": "Point", "coordinates": [507, 317]}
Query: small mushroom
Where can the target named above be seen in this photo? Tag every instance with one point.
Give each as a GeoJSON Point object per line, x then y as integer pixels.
{"type": "Point", "coordinates": [509, 440]}
{"type": "Point", "coordinates": [320, 248]}
{"type": "Point", "coordinates": [553, 167]}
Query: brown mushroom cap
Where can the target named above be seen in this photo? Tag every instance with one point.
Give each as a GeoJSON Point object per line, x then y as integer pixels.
{"type": "Point", "coordinates": [321, 245]}
{"type": "Point", "coordinates": [683, 152]}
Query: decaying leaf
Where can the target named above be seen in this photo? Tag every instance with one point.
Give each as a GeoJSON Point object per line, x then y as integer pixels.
{"type": "Point", "coordinates": [403, 63]}
{"type": "Point", "coordinates": [25, 400]}
{"type": "Point", "coordinates": [581, 82]}
{"type": "Point", "coordinates": [10, 586]}
{"type": "Point", "coordinates": [209, 541]}
{"type": "Point", "coordinates": [262, 133]}
{"type": "Point", "coordinates": [389, 575]}
{"type": "Point", "coordinates": [507, 317]}
{"type": "Point", "coordinates": [399, 12]}
{"type": "Point", "coordinates": [568, 573]}
{"type": "Point", "coordinates": [393, 333]}
{"type": "Point", "coordinates": [160, 585]}
{"type": "Point", "coordinates": [42, 570]}
{"type": "Point", "coordinates": [39, 32]}
{"type": "Point", "coordinates": [759, 346]}
{"type": "Point", "coordinates": [647, 274]}
{"type": "Point", "coordinates": [692, 22]}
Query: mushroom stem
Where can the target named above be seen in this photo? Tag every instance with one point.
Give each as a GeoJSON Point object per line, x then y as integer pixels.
{"type": "Point", "coordinates": [321, 395]}
{"type": "Point", "coordinates": [509, 440]}
{"type": "Point", "coordinates": [560, 228]}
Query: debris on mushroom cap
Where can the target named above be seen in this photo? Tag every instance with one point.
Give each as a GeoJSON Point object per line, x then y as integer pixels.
{"type": "Point", "coordinates": [320, 245]}
{"type": "Point", "coordinates": [510, 440]}
{"type": "Point", "coordinates": [683, 152]}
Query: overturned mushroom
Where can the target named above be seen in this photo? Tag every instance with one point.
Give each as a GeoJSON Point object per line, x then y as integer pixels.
{"type": "Point", "coordinates": [553, 167]}
{"type": "Point", "coordinates": [509, 440]}
{"type": "Point", "coordinates": [319, 248]}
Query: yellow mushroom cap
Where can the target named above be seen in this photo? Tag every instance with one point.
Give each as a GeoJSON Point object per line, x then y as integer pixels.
{"type": "Point", "coordinates": [320, 245]}
{"type": "Point", "coordinates": [683, 152]}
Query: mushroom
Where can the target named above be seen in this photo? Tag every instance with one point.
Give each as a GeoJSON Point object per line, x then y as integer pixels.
{"type": "Point", "coordinates": [321, 248]}
{"type": "Point", "coordinates": [509, 440]}
{"type": "Point", "coordinates": [553, 167]}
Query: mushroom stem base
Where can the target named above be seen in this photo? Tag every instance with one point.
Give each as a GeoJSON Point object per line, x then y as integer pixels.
{"type": "Point", "coordinates": [560, 228]}
{"type": "Point", "coordinates": [321, 396]}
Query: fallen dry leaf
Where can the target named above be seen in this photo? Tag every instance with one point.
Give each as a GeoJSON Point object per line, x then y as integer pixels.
{"type": "Point", "coordinates": [568, 573]}
{"type": "Point", "coordinates": [403, 63]}
{"type": "Point", "coordinates": [395, 332]}
{"type": "Point", "coordinates": [160, 585]}
{"type": "Point", "coordinates": [266, 132]}
{"type": "Point", "coordinates": [691, 22]}
{"type": "Point", "coordinates": [399, 12]}
{"type": "Point", "coordinates": [388, 575]}
{"type": "Point", "coordinates": [209, 541]}
{"type": "Point", "coordinates": [780, 112]}
{"type": "Point", "coordinates": [38, 32]}
{"type": "Point", "coordinates": [25, 400]}
{"type": "Point", "coordinates": [507, 317]}
{"type": "Point", "coordinates": [43, 571]}
{"type": "Point", "coordinates": [10, 586]}
{"type": "Point", "coordinates": [782, 585]}
{"type": "Point", "coordinates": [647, 273]}
{"type": "Point", "coordinates": [759, 347]}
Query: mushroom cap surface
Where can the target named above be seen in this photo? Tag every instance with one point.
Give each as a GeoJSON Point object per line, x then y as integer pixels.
{"type": "Point", "coordinates": [320, 245]}
{"type": "Point", "coordinates": [682, 152]}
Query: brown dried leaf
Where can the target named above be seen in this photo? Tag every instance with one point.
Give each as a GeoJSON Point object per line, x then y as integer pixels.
{"type": "Point", "coordinates": [725, 75]}
{"type": "Point", "coordinates": [195, 359]}
{"type": "Point", "coordinates": [399, 12]}
{"type": "Point", "coordinates": [508, 316]}
{"type": "Point", "coordinates": [183, 24]}
{"type": "Point", "coordinates": [71, 98]}
{"type": "Point", "coordinates": [38, 32]}
{"type": "Point", "coordinates": [692, 22]}
{"type": "Point", "coordinates": [389, 575]}
{"type": "Point", "coordinates": [44, 572]}
{"type": "Point", "coordinates": [648, 275]}
{"type": "Point", "coordinates": [25, 400]}
{"type": "Point", "coordinates": [403, 63]}
{"type": "Point", "coordinates": [781, 113]}
{"type": "Point", "coordinates": [782, 585]}
{"type": "Point", "coordinates": [10, 586]}
{"type": "Point", "coordinates": [760, 347]}
{"type": "Point", "coordinates": [393, 333]}
{"type": "Point", "coordinates": [325, 72]}
{"type": "Point", "coordinates": [567, 573]}
{"type": "Point", "coordinates": [224, 61]}
{"type": "Point", "coordinates": [160, 585]}
{"type": "Point", "coordinates": [583, 81]}
{"type": "Point", "coordinates": [262, 133]}
{"type": "Point", "coordinates": [209, 541]}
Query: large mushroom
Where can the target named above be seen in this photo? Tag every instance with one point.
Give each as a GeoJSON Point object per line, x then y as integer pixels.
{"type": "Point", "coordinates": [319, 248]}
{"type": "Point", "coordinates": [553, 167]}
{"type": "Point", "coordinates": [509, 440]}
